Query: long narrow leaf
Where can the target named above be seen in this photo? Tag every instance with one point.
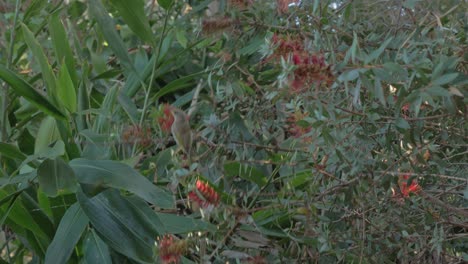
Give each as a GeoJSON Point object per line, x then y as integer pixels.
{"type": "Point", "coordinates": [107, 26]}
{"type": "Point", "coordinates": [68, 234]}
{"type": "Point", "coordinates": [133, 14]}
{"type": "Point", "coordinates": [38, 53]}
{"type": "Point", "coordinates": [119, 225]}
{"type": "Point", "coordinates": [23, 88]}
{"type": "Point", "coordinates": [107, 173]}
{"type": "Point", "coordinates": [62, 47]}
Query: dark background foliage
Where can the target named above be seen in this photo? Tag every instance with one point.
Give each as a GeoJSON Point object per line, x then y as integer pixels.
{"type": "Point", "coordinates": [324, 131]}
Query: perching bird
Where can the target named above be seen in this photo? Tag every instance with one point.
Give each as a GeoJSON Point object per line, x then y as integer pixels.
{"type": "Point", "coordinates": [181, 130]}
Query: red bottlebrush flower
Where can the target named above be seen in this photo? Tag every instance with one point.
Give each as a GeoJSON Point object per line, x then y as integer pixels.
{"type": "Point", "coordinates": [404, 188]}
{"type": "Point", "coordinates": [310, 69]}
{"type": "Point", "coordinates": [204, 195]}
{"type": "Point", "coordinates": [137, 135]}
{"type": "Point", "coordinates": [216, 24]}
{"type": "Point", "coordinates": [166, 119]}
{"type": "Point", "coordinates": [171, 250]}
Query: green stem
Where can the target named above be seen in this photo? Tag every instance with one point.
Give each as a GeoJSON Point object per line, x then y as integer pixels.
{"type": "Point", "coordinates": [148, 88]}
{"type": "Point", "coordinates": [5, 98]}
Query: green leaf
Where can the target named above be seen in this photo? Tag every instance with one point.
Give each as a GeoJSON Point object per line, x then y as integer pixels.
{"type": "Point", "coordinates": [23, 88]}
{"type": "Point", "coordinates": [107, 27]}
{"type": "Point", "coordinates": [376, 53]}
{"type": "Point", "coordinates": [95, 250]}
{"type": "Point", "coordinates": [18, 214]}
{"type": "Point", "coordinates": [436, 90]}
{"type": "Point", "coordinates": [444, 79]}
{"type": "Point", "coordinates": [351, 75]}
{"type": "Point", "coordinates": [66, 91]}
{"type": "Point", "coordinates": [107, 173]}
{"type": "Point", "coordinates": [62, 49]}
{"type": "Point", "coordinates": [169, 223]}
{"type": "Point", "coordinates": [119, 225]}
{"type": "Point", "coordinates": [47, 134]}
{"type": "Point", "coordinates": [56, 177]}
{"type": "Point", "coordinates": [402, 123]}
{"type": "Point", "coordinates": [245, 172]}
{"type": "Point", "coordinates": [379, 91]}
{"type": "Point", "coordinates": [11, 151]}
{"type": "Point", "coordinates": [181, 38]}
{"type": "Point", "coordinates": [67, 235]}
{"type": "Point", "coordinates": [177, 84]}
{"type": "Point", "coordinates": [166, 4]}
{"type": "Point", "coordinates": [133, 14]}
{"type": "Point", "coordinates": [38, 53]}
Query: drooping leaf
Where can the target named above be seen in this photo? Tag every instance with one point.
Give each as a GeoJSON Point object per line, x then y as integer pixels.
{"type": "Point", "coordinates": [133, 14]}
{"type": "Point", "coordinates": [107, 27]}
{"type": "Point", "coordinates": [114, 174]}
{"type": "Point", "coordinates": [23, 88]}
{"type": "Point", "coordinates": [95, 250]}
{"type": "Point", "coordinates": [48, 133]}
{"type": "Point", "coordinates": [17, 213]}
{"type": "Point", "coordinates": [38, 53]}
{"type": "Point", "coordinates": [119, 225]}
{"type": "Point", "coordinates": [56, 177]}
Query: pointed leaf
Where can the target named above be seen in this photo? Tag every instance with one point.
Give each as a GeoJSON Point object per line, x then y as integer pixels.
{"type": "Point", "coordinates": [376, 53]}
{"type": "Point", "coordinates": [107, 27]}
{"type": "Point", "coordinates": [119, 225]}
{"type": "Point", "coordinates": [56, 177]}
{"type": "Point", "coordinates": [95, 250]}
{"type": "Point", "coordinates": [47, 134]}
{"type": "Point", "coordinates": [23, 88]}
{"type": "Point", "coordinates": [38, 53]}
{"type": "Point", "coordinates": [63, 51]}
{"type": "Point", "coordinates": [108, 173]}
{"type": "Point", "coordinates": [66, 91]}
{"type": "Point", "coordinates": [133, 14]}
{"type": "Point", "coordinates": [68, 234]}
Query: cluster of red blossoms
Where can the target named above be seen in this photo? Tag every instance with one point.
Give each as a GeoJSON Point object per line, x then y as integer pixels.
{"type": "Point", "coordinates": [405, 190]}
{"type": "Point", "coordinates": [295, 129]}
{"type": "Point", "coordinates": [170, 250]}
{"type": "Point", "coordinates": [311, 69]}
{"type": "Point", "coordinates": [166, 119]}
{"type": "Point", "coordinates": [213, 25]}
{"type": "Point", "coordinates": [204, 195]}
{"type": "Point", "coordinates": [137, 135]}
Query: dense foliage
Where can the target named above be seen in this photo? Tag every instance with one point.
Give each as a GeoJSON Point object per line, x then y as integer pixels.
{"type": "Point", "coordinates": [323, 131]}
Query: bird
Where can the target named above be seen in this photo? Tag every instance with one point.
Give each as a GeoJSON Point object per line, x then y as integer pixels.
{"type": "Point", "coordinates": [181, 131]}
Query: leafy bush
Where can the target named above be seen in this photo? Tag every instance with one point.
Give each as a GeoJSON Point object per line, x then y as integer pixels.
{"type": "Point", "coordinates": [323, 131]}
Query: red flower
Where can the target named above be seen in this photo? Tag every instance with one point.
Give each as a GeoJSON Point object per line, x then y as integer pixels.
{"type": "Point", "coordinates": [310, 69]}
{"type": "Point", "coordinates": [205, 196]}
{"type": "Point", "coordinates": [405, 189]}
{"type": "Point", "coordinates": [170, 251]}
{"type": "Point", "coordinates": [137, 135]}
{"type": "Point", "coordinates": [166, 119]}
